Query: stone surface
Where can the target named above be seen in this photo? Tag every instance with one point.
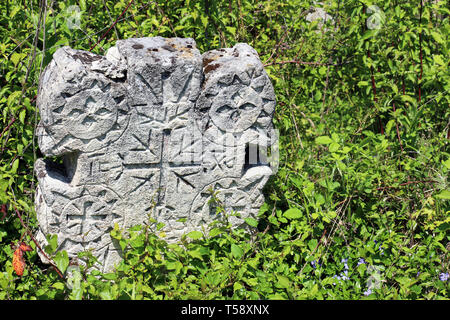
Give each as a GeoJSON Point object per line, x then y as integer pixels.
{"type": "Point", "coordinates": [149, 130]}
{"type": "Point", "coordinates": [318, 13]}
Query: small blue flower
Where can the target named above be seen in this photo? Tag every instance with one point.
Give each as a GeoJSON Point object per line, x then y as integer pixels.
{"type": "Point", "coordinates": [368, 292]}
{"type": "Point", "coordinates": [315, 264]}
{"type": "Point", "coordinates": [443, 276]}
{"type": "Point", "coordinates": [380, 247]}
{"type": "Point", "coordinates": [361, 261]}
{"type": "Point", "coordinates": [336, 277]}
{"type": "Point", "coordinates": [345, 263]}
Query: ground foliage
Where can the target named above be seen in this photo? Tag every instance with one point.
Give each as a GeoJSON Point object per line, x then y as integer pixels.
{"type": "Point", "coordinates": [359, 208]}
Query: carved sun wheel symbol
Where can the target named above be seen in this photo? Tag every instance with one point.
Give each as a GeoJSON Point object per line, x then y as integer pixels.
{"type": "Point", "coordinates": [90, 116]}
{"type": "Point", "coordinates": [229, 196]}
{"type": "Point", "coordinates": [236, 108]}
{"type": "Point", "coordinates": [88, 218]}
{"type": "Point", "coordinates": [88, 120]}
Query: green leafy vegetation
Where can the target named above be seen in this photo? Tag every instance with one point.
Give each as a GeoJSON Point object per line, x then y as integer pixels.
{"type": "Point", "coordinates": [359, 208]}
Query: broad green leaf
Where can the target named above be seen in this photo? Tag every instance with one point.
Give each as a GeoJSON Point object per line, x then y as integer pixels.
{"type": "Point", "coordinates": [444, 194]}
{"type": "Point", "coordinates": [61, 260]}
{"type": "Point", "coordinates": [410, 99]}
{"type": "Point", "coordinates": [251, 222]}
{"type": "Point", "coordinates": [82, 5]}
{"type": "Point", "coordinates": [214, 232]}
{"type": "Point", "coordinates": [312, 244]}
{"type": "Point", "coordinates": [345, 150]}
{"type": "Point", "coordinates": [76, 294]}
{"type": "Point", "coordinates": [319, 199]}
{"type": "Point", "coordinates": [389, 126]}
{"type": "Point", "coordinates": [15, 58]}
{"type": "Point", "coordinates": [195, 235]}
{"type": "Point", "coordinates": [204, 21]}
{"type": "Point", "coordinates": [58, 285]}
{"type": "Point", "coordinates": [293, 213]}
{"type": "Point", "coordinates": [323, 140]}
{"type": "Point", "coordinates": [437, 58]}
{"type": "Point", "coordinates": [437, 37]}
{"type": "Point", "coordinates": [446, 163]}
{"type": "Point", "coordinates": [236, 251]}
{"type": "Point", "coordinates": [405, 281]}
{"type": "Point", "coordinates": [278, 296]}
{"type": "Point", "coordinates": [110, 276]}
{"type": "Point", "coordinates": [106, 295]}
{"type": "Point", "coordinates": [19, 148]}
{"type": "Point", "coordinates": [363, 84]}
{"type": "Point", "coordinates": [22, 115]}
{"type": "Point", "coordinates": [14, 98]}
{"type": "Point", "coordinates": [52, 241]}
{"type": "Point", "coordinates": [322, 70]}
{"type": "Point", "coordinates": [14, 11]}
{"type": "Point", "coordinates": [334, 147]}
{"type": "Point", "coordinates": [391, 66]}
{"type": "Point", "coordinates": [318, 95]}
{"type": "Point", "coordinates": [263, 208]}
{"type": "Point", "coordinates": [159, 226]}
{"type": "Point", "coordinates": [232, 30]}
{"type": "Point", "coordinates": [194, 14]}
{"type": "Point", "coordinates": [237, 286]}
{"type": "Point", "coordinates": [3, 186]}
{"type": "Point", "coordinates": [195, 254]}
{"type": "Point", "coordinates": [251, 281]}
{"type": "Point", "coordinates": [15, 165]}
{"type": "Point", "coordinates": [283, 282]}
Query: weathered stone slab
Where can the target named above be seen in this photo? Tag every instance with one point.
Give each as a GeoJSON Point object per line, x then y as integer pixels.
{"type": "Point", "coordinates": [150, 129]}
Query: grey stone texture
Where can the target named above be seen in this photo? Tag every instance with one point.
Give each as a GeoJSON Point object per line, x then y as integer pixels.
{"type": "Point", "coordinates": [150, 129]}
{"type": "Point", "coordinates": [318, 13]}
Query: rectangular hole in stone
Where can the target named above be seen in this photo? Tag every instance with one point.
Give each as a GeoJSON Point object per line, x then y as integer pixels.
{"type": "Point", "coordinates": [62, 168]}
{"type": "Point", "coordinates": [70, 161]}
{"type": "Point", "coordinates": [254, 156]}
{"type": "Point", "coordinates": [55, 165]}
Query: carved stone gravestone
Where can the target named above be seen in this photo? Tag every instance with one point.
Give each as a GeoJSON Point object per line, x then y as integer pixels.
{"type": "Point", "coordinates": [150, 129]}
